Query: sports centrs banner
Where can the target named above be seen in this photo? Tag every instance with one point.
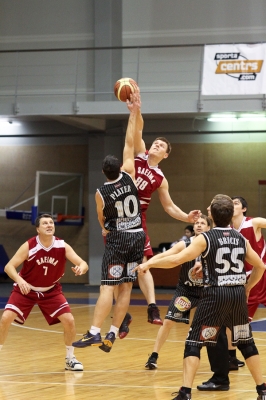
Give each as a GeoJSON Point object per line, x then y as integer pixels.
{"type": "Point", "coordinates": [234, 69]}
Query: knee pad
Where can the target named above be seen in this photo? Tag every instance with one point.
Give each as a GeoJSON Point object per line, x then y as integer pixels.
{"type": "Point", "coordinates": [192, 351]}
{"type": "Point", "coordinates": [248, 350]}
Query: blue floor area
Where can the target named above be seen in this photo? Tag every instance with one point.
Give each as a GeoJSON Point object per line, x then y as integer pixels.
{"type": "Point", "coordinates": [258, 326]}
{"type": "Point", "coordinates": [5, 290]}
{"type": "Point", "coordinates": [73, 300]}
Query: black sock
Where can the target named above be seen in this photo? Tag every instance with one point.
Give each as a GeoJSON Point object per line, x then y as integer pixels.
{"type": "Point", "coordinates": [185, 390]}
{"type": "Point", "coordinates": [152, 305]}
{"type": "Point", "coordinates": [232, 353]}
{"type": "Point", "coordinates": [155, 355]}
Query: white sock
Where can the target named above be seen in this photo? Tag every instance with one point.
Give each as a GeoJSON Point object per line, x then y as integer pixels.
{"type": "Point", "coordinates": [69, 352]}
{"type": "Point", "coordinates": [114, 329]}
{"type": "Point", "coordinates": [94, 330]}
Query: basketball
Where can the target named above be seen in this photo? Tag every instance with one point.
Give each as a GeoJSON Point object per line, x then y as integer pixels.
{"type": "Point", "coordinates": [123, 88]}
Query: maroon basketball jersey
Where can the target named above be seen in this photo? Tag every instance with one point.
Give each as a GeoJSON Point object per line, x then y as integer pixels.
{"type": "Point", "coordinates": [247, 230]}
{"type": "Point", "coordinates": [148, 179]}
{"type": "Point", "coordinates": [45, 266]}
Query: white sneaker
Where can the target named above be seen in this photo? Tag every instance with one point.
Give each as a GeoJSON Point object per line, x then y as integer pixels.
{"type": "Point", "coordinates": [73, 364]}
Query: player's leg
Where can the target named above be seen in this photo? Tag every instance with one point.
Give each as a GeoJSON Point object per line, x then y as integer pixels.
{"type": "Point", "coordinates": [161, 338]}
{"type": "Point", "coordinates": [252, 358]}
{"type": "Point", "coordinates": [234, 363]}
{"type": "Point", "coordinates": [68, 322]}
{"type": "Point", "coordinates": [120, 308]}
{"type": "Point", "coordinates": [5, 322]}
{"type": "Point", "coordinates": [146, 284]}
{"type": "Point", "coordinates": [17, 309]}
{"type": "Point", "coordinates": [124, 326]}
{"type": "Point", "coordinates": [190, 366]}
{"type": "Point", "coordinates": [173, 315]}
{"type": "Point", "coordinates": [101, 311]}
{"type": "Point", "coordinates": [219, 362]}
{"type": "Point", "coordinates": [122, 303]}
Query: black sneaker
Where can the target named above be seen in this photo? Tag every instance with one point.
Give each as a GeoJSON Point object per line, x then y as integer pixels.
{"type": "Point", "coordinates": [181, 396]}
{"type": "Point", "coordinates": [154, 315]}
{"type": "Point", "coordinates": [108, 342]}
{"type": "Point", "coordinates": [151, 363]}
{"type": "Point", "coordinates": [89, 340]}
{"type": "Point", "coordinates": [124, 329]}
{"type": "Point", "coordinates": [233, 364]}
{"type": "Point", "coordinates": [240, 363]}
{"type": "Point", "coordinates": [261, 395]}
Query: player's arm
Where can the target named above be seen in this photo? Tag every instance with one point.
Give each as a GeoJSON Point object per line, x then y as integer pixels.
{"type": "Point", "coordinates": [139, 144]}
{"type": "Point", "coordinates": [173, 250]}
{"type": "Point", "coordinates": [128, 152]}
{"type": "Point", "coordinates": [170, 261]}
{"type": "Point", "coordinates": [258, 224]}
{"type": "Point", "coordinates": [257, 270]}
{"type": "Point", "coordinates": [81, 267]}
{"type": "Point", "coordinates": [171, 208]}
{"type": "Point", "coordinates": [99, 209]}
{"type": "Point", "coordinates": [11, 267]}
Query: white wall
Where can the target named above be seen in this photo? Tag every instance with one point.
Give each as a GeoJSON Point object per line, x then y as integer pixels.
{"type": "Point", "coordinates": [31, 24]}
{"type": "Point", "coordinates": [153, 22]}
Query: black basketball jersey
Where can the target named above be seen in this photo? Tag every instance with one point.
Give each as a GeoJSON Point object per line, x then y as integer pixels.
{"type": "Point", "coordinates": [186, 277]}
{"type": "Point", "coordinates": [223, 259]}
{"type": "Point", "coordinates": [121, 206]}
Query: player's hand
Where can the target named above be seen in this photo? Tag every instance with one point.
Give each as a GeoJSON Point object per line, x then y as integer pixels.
{"type": "Point", "coordinates": [194, 215]}
{"type": "Point", "coordinates": [105, 232]}
{"type": "Point", "coordinates": [77, 270]}
{"type": "Point", "coordinates": [196, 271]}
{"type": "Point", "coordinates": [141, 268]}
{"type": "Point", "coordinates": [134, 104]}
{"type": "Point", "coordinates": [24, 286]}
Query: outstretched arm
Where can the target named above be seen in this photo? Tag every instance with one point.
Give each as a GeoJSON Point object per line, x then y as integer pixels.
{"type": "Point", "coordinates": [172, 209]}
{"type": "Point", "coordinates": [139, 144]}
{"type": "Point", "coordinates": [170, 261]}
{"type": "Point", "coordinates": [128, 153]}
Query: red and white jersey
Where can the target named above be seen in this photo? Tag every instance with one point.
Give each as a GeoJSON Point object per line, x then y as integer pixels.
{"type": "Point", "coordinates": [148, 179]}
{"type": "Point", "coordinates": [45, 266]}
{"type": "Point", "coordinates": [247, 230]}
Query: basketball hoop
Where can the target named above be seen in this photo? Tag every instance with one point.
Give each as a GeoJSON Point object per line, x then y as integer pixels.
{"type": "Point", "coordinates": [63, 217]}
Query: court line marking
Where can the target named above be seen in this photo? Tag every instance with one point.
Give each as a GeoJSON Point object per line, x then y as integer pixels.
{"type": "Point", "coordinates": [102, 385]}
{"type": "Point", "coordinates": [140, 339]}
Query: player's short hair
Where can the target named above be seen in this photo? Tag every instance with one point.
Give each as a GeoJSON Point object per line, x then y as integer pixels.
{"type": "Point", "coordinates": [38, 219]}
{"type": "Point", "coordinates": [163, 139]}
{"type": "Point", "coordinates": [242, 201]}
{"type": "Point", "coordinates": [207, 219]}
{"type": "Point", "coordinates": [111, 167]}
{"type": "Point", "coordinates": [222, 210]}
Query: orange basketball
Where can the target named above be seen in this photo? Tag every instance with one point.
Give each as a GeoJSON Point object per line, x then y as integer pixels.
{"type": "Point", "coordinates": [123, 88]}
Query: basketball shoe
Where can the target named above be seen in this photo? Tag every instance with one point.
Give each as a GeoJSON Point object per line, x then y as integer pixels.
{"type": "Point", "coordinates": [124, 329]}
{"type": "Point", "coordinates": [151, 363]}
{"type": "Point", "coordinates": [154, 315]}
{"type": "Point", "coordinates": [89, 340]}
{"type": "Point", "coordinates": [108, 342]}
{"type": "Point", "coordinates": [261, 390]}
{"type": "Point", "coordinates": [181, 396]}
{"type": "Point", "coordinates": [72, 364]}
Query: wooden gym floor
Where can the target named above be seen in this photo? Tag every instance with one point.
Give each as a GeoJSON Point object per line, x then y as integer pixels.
{"type": "Point", "coordinates": [32, 359]}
